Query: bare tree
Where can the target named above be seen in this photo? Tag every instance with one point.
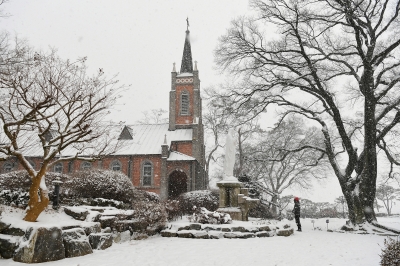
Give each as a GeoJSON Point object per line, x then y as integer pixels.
{"type": "Point", "coordinates": [291, 169]}
{"type": "Point", "coordinates": [154, 116]}
{"type": "Point", "coordinates": [54, 107]}
{"type": "Point", "coordinates": [342, 202]}
{"type": "Point", "coordinates": [337, 64]}
{"type": "Point", "coordinates": [387, 194]}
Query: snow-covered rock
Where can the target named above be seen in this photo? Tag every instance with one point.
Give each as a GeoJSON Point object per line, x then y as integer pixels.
{"type": "Point", "coordinates": [76, 243]}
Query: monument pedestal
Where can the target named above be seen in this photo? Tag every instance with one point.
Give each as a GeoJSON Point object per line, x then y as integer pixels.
{"type": "Point", "coordinates": [234, 200]}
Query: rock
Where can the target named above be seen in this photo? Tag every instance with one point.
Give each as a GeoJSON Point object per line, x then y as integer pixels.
{"type": "Point", "coordinates": [3, 226]}
{"type": "Point", "coordinates": [238, 235]}
{"type": "Point", "coordinates": [107, 221]}
{"type": "Point", "coordinates": [121, 237]}
{"type": "Point", "coordinates": [76, 243]}
{"type": "Point", "coordinates": [286, 226]}
{"type": "Point", "coordinates": [41, 245]}
{"type": "Point", "coordinates": [264, 234]}
{"type": "Point", "coordinates": [91, 227]}
{"type": "Point", "coordinates": [209, 228]}
{"type": "Point", "coordinates": [215, 234]}
{"type": "Point", "coordinates": [168, 233]}
{"type": "Point", "coordinates": [13, 231]}
{"type": "Point", "coordinates": [201, 234]}
{"type": "Point", "coordinates": [67, 227]}
{"type": "Point", "coordinates": [139, 236]}
{"type": "Point", "coordinates": [100, 240]}
{"type": "Point", "coordinates": [238, 229]}
{"type": "Point", "coordinates": [264, 228]}
{"type": "Point", "coordinates": [185, 234]}
{"type": "Point", "coordinates": [347, 228]}
{"type": "Point", "coordinates": [195, 226]}
{"type": "Point", "coordinates": [93, 216]}
{"type": "Point", "coordinates": [76, 212]}
{"type": "Point", "coordinates": [106, 230]}
{"type": "Point", "coordinates": [8, 245]}
{"type": "Point", "coordinates": [187, 227]}
{"type": "Point", "coordinates": [285, 232]}
{"type": "Point", "coordinates": [131, 225]}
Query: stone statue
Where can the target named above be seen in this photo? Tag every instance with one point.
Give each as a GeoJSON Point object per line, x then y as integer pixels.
{"type": "Point", "coordinates": [230, 155]}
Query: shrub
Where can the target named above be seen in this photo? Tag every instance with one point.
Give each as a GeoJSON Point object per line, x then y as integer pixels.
{"type": "Point", "coordinates": [152, 212]}
{"type": "Point", "coordinates": [99, 184]}
{"type": "Point", "coordinates": [391, 253]}
{"type": "Point", "coordinates": [204, 216]}
{"type": "Point", "coordinates": [14, 187]}
{"type": "Point", "coordinates": [199, 198]}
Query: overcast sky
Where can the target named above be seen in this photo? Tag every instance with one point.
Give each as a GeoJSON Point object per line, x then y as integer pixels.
{"type": "Point", "coordinates": [139, 41]}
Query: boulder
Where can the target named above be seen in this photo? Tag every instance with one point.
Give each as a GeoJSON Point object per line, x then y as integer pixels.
{"type": "Point", "coordinates": [186, 227]}
{"type": "Point", "coordinates": [93, 216]}
{"type": "Point", "coordinates": [284, 232]}
{"type": "Point", "coordinates": [264, 228]}
{"type": "Point", "coordinates": [121, 237]}
{"type": "Point", "coordinates": [131, 225]}
{"type": "Point", "coordinates": [76, 243]}
{"type": "Point", "coordinates": [238, 235]}
{"type": "Point", "coordinates": [14, 231]}
{"type": "Point", "coordinates": [77, 213]}
{"type": "Point", "coordinates": [185, 234]}
{"type": "Point", "coordinates": [225, 229]}
{"type": "Point", "coordinates": [195, 226]}
{"type": "Point", "coordinates": [238, 229]}
{"type": "Point", "coordinates": [106, 230]}
{"type": "Point", "coordinates": [100, 240]}
{"type": "Point", "coordinates": [264, 234]}
{"type": "Point", "coordinates": [139, 236]}
{"type": "Point", "coordinates": [215, 234]}
{"type": "Point", "coordinates": [3, 226]}
{"type": "Point", "coordinates": [347, 228]}
{"type": "Point", "coordinates": [41, 245]}
{"type": "Point", "coordinates": [8, 245]}
{"type": "Point", "coordinates": [107, 221]}
{"type": "Point", "coordinates": [91, 227]}
{"type": "Point", "coordinates": [168, 233]}
{"type": "Point", "coordinates": [201, 234]}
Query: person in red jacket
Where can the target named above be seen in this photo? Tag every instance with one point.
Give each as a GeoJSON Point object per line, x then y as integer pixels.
{"type": "Point", "coordinates": [296, 211]}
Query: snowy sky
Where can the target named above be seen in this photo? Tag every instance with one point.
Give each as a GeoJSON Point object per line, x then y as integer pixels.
{"type": "Point", "coordinates": [139, 41]}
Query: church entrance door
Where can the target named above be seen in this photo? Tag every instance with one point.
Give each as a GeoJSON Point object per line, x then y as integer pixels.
{"type": "Point", "coordinates": [177, 184]}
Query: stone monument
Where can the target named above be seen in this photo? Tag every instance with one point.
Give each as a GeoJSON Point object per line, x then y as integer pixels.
{"type": "Point", "coordinates": [233, 198]}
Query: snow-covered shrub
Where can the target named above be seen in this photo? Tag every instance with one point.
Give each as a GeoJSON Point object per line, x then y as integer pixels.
{"type": "Point", "coordinates": [99, 184]}
{"type": "Point", "coordinates": [14, 186]}
{"type": "Point", "coordinates": [199, 198]}
{"type": "Point", "coordinates": [14, 198]}
{"type": "Point", "coordinates": [204, 216]}
{"type": "Point", "coordinates": [173, 209]}
{"type": "Point", "coordinates": [261, 211]}
{"type": "Point", "coordinates": [153, 213]}
{"type": "Point", "coordinates": [391, 253]}
{"type": "Point", "coordinates": [107, 203]}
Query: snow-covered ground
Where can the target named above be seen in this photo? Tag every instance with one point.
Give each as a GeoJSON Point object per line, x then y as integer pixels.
{"type": "Point", "coordinates": [310, 247]}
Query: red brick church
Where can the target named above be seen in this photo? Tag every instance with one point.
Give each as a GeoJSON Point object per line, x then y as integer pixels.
{"type": "Point", "coordinates": [167, 159]}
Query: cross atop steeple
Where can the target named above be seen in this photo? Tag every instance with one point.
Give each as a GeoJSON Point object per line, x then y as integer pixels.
{"type": "Point", "coordinates": [187, 62]}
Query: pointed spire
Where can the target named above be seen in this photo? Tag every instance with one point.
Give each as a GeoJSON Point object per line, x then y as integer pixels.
{"type": "Point", "coordinates": [195, 65]}
{"type": "Point", "coordinates": [187, 63]}
{"type": "Point", "coordinates": [165, 139]}
{"type": "Point", "coordinates": [174, 68]}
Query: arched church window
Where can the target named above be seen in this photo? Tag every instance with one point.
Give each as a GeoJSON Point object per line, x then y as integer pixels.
{"type": "Point", "coordinates": [184, 103]}
{"type": "Point", "coordinates": [116, 166]}
{"type": "Point", "coordinates": [147, 173]}
{"type": "Point", "coordinates": [8, 167]}
{"type": "Point", "coordinates": [58, 167]}
{"type": "Point", "coordinates": [86, 166]}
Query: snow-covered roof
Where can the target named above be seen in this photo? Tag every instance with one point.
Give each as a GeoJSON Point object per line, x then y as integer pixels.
{"type": "Point", "coordinates": [147, 139]}
{"type": "Point", "coordinates": [177, 156]}
{"type": "Point", "coordinates": [144, 139]}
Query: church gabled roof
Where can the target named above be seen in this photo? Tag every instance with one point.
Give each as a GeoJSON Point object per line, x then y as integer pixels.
{"type": "Point", "coordinates": [187, 62]}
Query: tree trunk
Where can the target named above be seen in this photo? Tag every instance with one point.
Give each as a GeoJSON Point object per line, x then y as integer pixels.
{"type": "Point", "coordinates": [36, 205]}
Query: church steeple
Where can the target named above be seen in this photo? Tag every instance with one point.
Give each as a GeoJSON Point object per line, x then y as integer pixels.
{"type": "Point", "coordinates": [187, 63]}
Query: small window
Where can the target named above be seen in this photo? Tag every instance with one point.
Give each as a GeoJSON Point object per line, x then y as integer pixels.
{"type": "Point", "coordinates": [185, 103]}
{"type": "Point", "coordinates": [32, 164]}
{"type": "Point", "coordinates": [86, 166]}
{"type": "Point", "coordinates": [116, 166]}
{"type": "Point", "coordinates": [8, 167]}
{"type": "Point", "coordinates": [147, 174]}
{"type": "Point", "coordinates": [58, 168]}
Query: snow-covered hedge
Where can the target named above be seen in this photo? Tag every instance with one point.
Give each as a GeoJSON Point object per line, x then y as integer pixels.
{"type": "Point", "coordinates": [199, 198]}
{"type": "Point", "coordinates": [99, 184]}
